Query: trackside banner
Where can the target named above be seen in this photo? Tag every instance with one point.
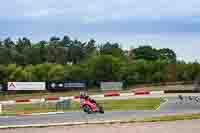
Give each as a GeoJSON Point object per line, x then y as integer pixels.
{"type": "Point", "coordinates": [111, 85]}
{"type": "Point", "coordinates": [26, 86]}
{"type": "Point", "coordinates": [66, 85]}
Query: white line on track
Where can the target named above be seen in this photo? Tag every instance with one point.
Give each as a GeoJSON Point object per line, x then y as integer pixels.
{"type": "Point", "coordinates": [166, 100]}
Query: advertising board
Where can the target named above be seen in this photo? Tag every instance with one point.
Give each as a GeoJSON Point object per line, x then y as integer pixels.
{"type": "Point", "coordinates": [65, 85]}
{"type": "Point", "coordinates": [111, 85]}
{"type": "Point", "coordinates": [26, 86]}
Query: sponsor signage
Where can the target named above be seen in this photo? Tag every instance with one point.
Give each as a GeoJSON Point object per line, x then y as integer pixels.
{"type": "Point", "coordinates": [58, 85]}
{"type": "Point", "coordinates": [74, 85]}
{"type": "Point", "coordinates": [111, 85]}
{"type": "Point", "coordinates": [26, 86]}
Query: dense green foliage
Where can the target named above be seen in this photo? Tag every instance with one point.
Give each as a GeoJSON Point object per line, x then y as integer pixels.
{"type": "Point", "coordinates": [67, 59]}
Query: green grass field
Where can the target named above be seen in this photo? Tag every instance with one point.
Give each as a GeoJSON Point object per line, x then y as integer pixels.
{"type": "Point", "coordinates": [132, 104]}
{"type": "Point", "coordinates": [109, 105]}
{"type": "Point", "coordinates": [172, 118]}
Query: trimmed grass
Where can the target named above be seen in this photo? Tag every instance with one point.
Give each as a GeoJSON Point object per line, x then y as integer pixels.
{"type": "Point", "coordinates": [109, 105]}
{"type": "Point", "coordinates": [172, 118]}
{"type": "Point", "coordinates": [132, 104]}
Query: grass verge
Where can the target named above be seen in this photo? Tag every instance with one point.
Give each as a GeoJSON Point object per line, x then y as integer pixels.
{"type": "Point", "coordinates": [109, 105]}
{"type": "Point", "coordinates": [172, 118]}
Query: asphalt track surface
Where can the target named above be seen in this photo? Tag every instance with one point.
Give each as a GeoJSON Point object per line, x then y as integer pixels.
{"type": "Point", "coordinates": [173, 106]}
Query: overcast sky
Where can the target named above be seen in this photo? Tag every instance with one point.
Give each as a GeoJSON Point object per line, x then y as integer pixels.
{"type": "Point", "coordinates": [161, 23]}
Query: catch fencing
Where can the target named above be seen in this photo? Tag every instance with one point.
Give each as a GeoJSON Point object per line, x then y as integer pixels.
{"type": "Point", "coordinates": [27, 107]}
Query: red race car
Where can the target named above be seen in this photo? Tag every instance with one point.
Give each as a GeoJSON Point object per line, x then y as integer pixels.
{"type": "Point", "coordinates": [90, 105]}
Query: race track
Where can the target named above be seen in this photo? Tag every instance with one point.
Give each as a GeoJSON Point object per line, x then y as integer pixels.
{"type": "Point", "coordinates": [171, 107]}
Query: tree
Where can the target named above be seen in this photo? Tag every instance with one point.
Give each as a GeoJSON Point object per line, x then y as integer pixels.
{"type": "Point", "coordinates": [90, 47]}
{"type": "Point", "coordinates": [42, 45]}
{"type": "Point", "coordinates": [181, 73]}
{"type": "Point", "coordinates": [33, 54]}
{"type": "Point", "coordinates": [40, 72]}
{"type": "Point", "coordinates": [3, 73]}
{"type": "Point", "coordinates": [54, 41]}
{"type": "Point", "coordinates": [30, 75]}
{"type": "Point", "coordinates": [8, 43]}
{"type": "Point", "coordinates": [43, 42]}
{"type": "Point", "coordinates": [79, 70]}
{"type": "Point", "coordinates": [105, 67]}
{"type": "Point", "coordinates": [56, 72]}
{"type": "Point", "coordinates": [10, 69]}
{"type": "Point", "coordinates": [22, 44]}
{"type": "Point", "coordinates": [65, 42]}
{"type": "Point", "coordinates": [76, 52]}
{"type": "Point", "coordinates": [5, 56]}
{"type": "Point", "coordinates": [26, 42]}
{"type": "Point", "coordinates": [112, 49]}
{"type": "Point", "coordinates": [1, 43]}
{"type": "Point", "coordinates": [158, 77]}
{"type": "Point", "coordinates": [167, 54]}
{"type": "Point", "coordinates": [57, 55]}
{"type": "Point", "coordinates": [24, 61]}
{"type": "Point", "coordinates": [19, 74]}
{"type": "Point", "coordinates": [146, 53]}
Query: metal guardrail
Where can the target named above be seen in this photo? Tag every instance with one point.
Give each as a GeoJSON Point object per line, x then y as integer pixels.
{"type": "Point", "coordinates": [63, 104]}
{"type": "Point", "coordinates": [42, 106]}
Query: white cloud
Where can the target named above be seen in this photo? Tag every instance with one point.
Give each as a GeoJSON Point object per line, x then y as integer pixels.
{"type": "Point", "coordinates": [44, 13]}
{"type": "Point", "coordinates": [100, 10]}
{"type": "Point", "coordinates": [58, 17]}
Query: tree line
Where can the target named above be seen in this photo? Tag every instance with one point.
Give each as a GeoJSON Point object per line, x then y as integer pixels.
{"type": "Point", "coordinates": [67, 59]}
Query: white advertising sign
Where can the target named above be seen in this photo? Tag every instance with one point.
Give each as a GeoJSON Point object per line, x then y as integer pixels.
{"type": "Point", "coordinates": [111, 85]}
{"type": "Point", "coordinates": [26, 86]}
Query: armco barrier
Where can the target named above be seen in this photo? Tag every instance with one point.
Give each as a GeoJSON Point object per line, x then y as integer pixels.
{"type": "Point", "coordinates": [97, 96]}
{"type": "Point", "coordinates": [76, 97]}
{"type": "Point", "coordinates": [181, 91]}
{"type": "Point", "coordinates": [142, 92]}
{"type": "Point", "coordinates": [108, 94]}
{"type": "Point", "coordinates": [36, 100]}
{"type": "Point", "coordinates": [10, 102]}
{"type": "Point", "coordinates": [126, 94]}
{"type": "Point", "coordinates": [157, 92]}
{"type": "Point", "coordinates": [23, 101]}
{"type": "Point", "coordinates": [52, 98]}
